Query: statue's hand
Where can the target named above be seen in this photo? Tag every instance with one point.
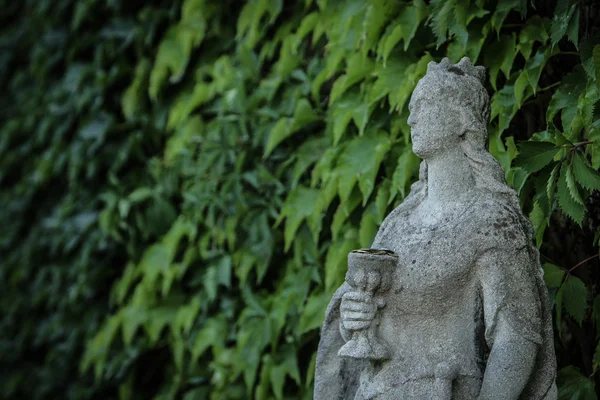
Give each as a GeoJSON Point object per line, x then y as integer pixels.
{"type": "Point", "coordinates": [357, 310]}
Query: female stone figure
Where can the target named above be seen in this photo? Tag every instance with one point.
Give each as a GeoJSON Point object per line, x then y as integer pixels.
{"type": "Point", "coordinates": [467, 315]}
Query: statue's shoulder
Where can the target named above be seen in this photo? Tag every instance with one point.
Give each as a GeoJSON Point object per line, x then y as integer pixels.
{"type": "Point", "coordinates": [494, 220]}
{"type": "Point", "coordinates": [489, 208]}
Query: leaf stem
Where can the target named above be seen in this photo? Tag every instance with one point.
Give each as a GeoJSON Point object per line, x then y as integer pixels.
{"type": "Point", "coordinates": [549, 87]}
{"type": "Point", "coordinates": [574, 146]}
{"type": "Point", "coordinates": [583, 262]}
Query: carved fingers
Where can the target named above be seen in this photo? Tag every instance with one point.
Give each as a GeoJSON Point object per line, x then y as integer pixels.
{"type": "Point", "coordinates": [357, 310]}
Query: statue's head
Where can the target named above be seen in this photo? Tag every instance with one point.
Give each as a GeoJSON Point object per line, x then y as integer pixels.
{"type": "Point", "coordinates": [449, 106]}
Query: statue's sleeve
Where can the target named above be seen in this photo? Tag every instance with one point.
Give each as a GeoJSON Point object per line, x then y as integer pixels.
{"type": "Point", "coordinates": [509, 286]}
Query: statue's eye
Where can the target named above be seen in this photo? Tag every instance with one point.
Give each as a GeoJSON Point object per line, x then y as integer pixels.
{"type": "Point", "coordinates": [415, 106]}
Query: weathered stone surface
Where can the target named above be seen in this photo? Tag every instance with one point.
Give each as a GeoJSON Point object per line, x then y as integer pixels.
{"type": "Point", "coordinates": [460, 310]}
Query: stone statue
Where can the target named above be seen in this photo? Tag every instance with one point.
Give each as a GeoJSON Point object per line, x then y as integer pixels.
{"type": "Point", "coordinates": [450, 303]}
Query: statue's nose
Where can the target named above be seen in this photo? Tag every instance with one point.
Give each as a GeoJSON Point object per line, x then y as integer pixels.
{"type": "Point", "coordinates": [411, 119]}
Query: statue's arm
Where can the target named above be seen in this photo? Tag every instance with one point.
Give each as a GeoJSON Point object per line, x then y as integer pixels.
{"type": "Point", "coordinates": [512, 317]}
{"type": "Point", "coordinates": [509, 366]}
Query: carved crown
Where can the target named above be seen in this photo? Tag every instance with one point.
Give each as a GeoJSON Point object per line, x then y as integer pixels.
{"type": "Point", "coordinates": [464, 67]}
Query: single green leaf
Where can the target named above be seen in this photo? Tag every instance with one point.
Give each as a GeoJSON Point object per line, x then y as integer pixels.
{"type": "Point", "coordinates": [403, 28]}
{"type": "Point", "coordinates": [410, 18]}
{"type": "Point", "coordinates": [343, 111]}
{"type": "Point", "coordinates": [441, 17]}
{"type": "Point", "coordinates": [154, 262]}
{"type": "Point", "coordinates": [336, 261]}
{"type": "Point", "coordinates": [359, 162]}
{"type": "Point", "coordinates": [567, 95]}
{"type": "Point", "coordinates": [253, 336]}
{"type": "Point", "coordinates": [383, 200]}
{"type": "Point", "coordinates": [343, 213]}
{"type": "Point", "coordinates": [307, 154]}
{"type": "Point", "coordinates": [313, 312]}
{"type": "Point", "coordinates": [158, 319]}
{"type": "Point", "coordinates": [392, 37]}
{"type": "Point", "coordinates": [368, 226]}
{"type": "Point", "coordinates": [132, 318]}
{"type": "Point", "coordinates": [553, 275]}
{"type": "Point", "coordinates": [358, 66]}
{"type": "Point", "coordinates": [297, 207]}
{"type": "Point", "coordinates": [540, 223]}
{"type": "Point", "coordinates": [573, 28]}
{"type": "Point", "coordinates": [560, 22]}
{"type": "Point", "coordinates": [324, 198]}
{"type": "Point", "coordinates": [533, 156]}
{"type": "Point", "coordinates": [303, 114]}
{"type": "Point", "coordinates": [406, 171]}
{"type": "Point", "coordinates": [569, 206]}
{"type": "Point", "coordinates": [278, 373]}
{"type": "Point", "coordinates": [572, 186]}
{"type": "Point", "coordinates": [174, 52]}
{"type": "Point", "coordinates": [527, 82]}
{"type": "Point", "coordinates": [132, 98]}
{"type": "Point", "coordinates": [285, 127]}
{"type": "Point", "coordinates": [534, 31]}
{"type": "Point", "coordinates": [376, 18]}
{"type": "Point", "coordinates": [517, 177]}
{"type": "Point", "coordinates": [551, 186]}
{"type": "Point", "coordinates": [307, 25]}
{"type": "Point", "coordinates": [585, 175]}
{"type": "Point", "coordinates": [521, 86]}
{"type": "Point", "coordinates": [262, 392]}
{"type": "Point", "coordinates": [504, 106]}
{"type": "Point", "coordinates": [586, 49]}
{"type": "Point", "coordinates": [390, 78]}
{"type": "Point", "coordinates": [140, 194]}
{"type": "Point", "coordinates": [575, 298]}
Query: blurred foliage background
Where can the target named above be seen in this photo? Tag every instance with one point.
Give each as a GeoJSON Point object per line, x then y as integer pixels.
{"type": "Point", "coordinates": [181, 181]}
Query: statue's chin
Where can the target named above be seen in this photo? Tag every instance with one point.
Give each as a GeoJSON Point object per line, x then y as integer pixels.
{"type": "Point", "coordinates": [420, 151]}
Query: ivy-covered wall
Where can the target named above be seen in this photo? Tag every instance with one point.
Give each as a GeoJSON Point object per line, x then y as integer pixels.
{"type": "Point", "coordinates": [181, 181]}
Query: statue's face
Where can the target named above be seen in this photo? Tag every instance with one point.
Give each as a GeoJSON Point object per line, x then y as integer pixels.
{"type": "Point", "coordinates": [435, 123]}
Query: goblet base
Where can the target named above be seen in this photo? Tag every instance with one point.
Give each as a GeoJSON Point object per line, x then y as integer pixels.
{"type": "Point", "coordinates": [363, 347]}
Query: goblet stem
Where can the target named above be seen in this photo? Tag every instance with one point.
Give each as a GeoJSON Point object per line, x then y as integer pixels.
{"type": "Point", "coordinates": [364, 343]}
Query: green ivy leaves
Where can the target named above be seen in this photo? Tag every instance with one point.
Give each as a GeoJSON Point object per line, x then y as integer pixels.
{"type": "Point", "coordinates": [569, 177]}
{"type": "Point", "coordinates": [574, 385]}
{"type": "Point", "coordinates": [223, 149]}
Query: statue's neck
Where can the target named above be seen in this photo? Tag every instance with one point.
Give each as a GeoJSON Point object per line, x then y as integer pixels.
{"type": "Point", "coordinates": [449, 178]}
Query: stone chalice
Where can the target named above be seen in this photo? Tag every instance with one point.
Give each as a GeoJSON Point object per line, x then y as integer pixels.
{"type": "Point", "coordinates": [369, 273]}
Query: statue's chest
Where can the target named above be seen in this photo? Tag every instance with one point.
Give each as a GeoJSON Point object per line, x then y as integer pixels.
{"type": "Point", "coordinates": [432, 262]}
